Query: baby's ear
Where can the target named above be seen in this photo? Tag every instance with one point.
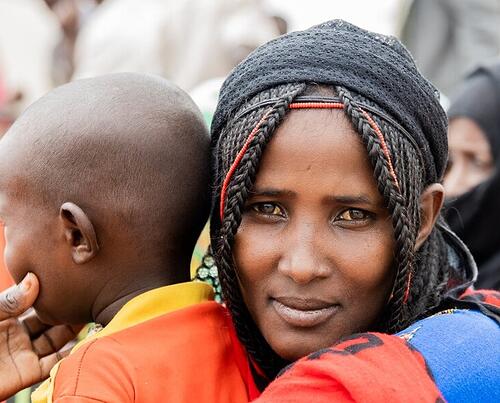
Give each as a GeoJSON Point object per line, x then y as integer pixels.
{"type": "Point", "coordinates": [79, 233]}
{"type": "Point", "coordinates": [431, 202]}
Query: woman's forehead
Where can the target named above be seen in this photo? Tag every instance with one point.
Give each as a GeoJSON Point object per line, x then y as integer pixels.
{"type": "Point", "coordinates": [311, 134]}
{"type": "Point", "coordinates": [317, 148]}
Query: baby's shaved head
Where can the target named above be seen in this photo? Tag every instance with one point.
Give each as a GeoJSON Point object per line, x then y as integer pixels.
{"type": "Point", "coordinates": [131, 150]}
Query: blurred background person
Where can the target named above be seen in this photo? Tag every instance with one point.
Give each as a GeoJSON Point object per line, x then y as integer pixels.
{"type": "Point", "coordinates": [448, 38]}
{"type": "Point", "coordinates": [472, 181]}
{"type": "Point", "coordinates": [186, 41]}
{"type": "Point", "coordinates": [28, 35]}
{"type": "Point", "coordinates": [70, 15]}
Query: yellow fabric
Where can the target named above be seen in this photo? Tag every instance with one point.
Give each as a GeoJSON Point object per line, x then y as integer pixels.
{"type": "Point", "coordinates": [149, 305]}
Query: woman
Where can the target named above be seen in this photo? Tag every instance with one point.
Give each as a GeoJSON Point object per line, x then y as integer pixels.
{"type": "Point", "coordinates": [329, 147]}
{"type": "Point", "coordinates": [472, 180]}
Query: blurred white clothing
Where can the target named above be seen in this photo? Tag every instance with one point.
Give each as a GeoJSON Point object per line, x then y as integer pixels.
{"type": "Point", "coordinates": [28, 34]}
{"type": "Point", "coordinates": [186, 41]}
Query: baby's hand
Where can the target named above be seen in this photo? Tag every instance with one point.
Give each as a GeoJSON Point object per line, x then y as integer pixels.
{"type": "Point", "coordinates": [28, 348]}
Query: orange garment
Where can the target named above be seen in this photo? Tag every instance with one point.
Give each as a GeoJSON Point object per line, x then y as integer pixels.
{"type": "Point", "coordinates": [157, 349]}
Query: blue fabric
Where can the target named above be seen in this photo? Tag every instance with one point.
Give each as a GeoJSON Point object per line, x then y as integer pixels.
{"type": "Point", "coordinates": [462, 350]}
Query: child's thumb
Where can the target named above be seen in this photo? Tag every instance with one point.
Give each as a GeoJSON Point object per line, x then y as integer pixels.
{"type": "Point", "coordinates": [17, 299]}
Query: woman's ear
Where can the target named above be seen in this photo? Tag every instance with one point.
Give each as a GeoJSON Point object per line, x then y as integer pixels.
{"type": "Point", "coordinates": [431, 202]}
{"type": "Point", "coordinates": [79, 233]}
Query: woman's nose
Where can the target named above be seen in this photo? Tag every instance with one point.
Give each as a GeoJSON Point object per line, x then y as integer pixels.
{"type": "Point", "coordinates": [302, 259]}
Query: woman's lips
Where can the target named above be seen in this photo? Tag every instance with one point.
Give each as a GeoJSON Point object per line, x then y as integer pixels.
{"type": "Point", "coordinates": [304, 313]}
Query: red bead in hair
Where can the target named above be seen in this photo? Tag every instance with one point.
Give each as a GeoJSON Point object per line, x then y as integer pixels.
{"type": "Point", "coordinates": [316, 105]}
{"type": "Point", "coordinates": [380, 136]}
{"type": "Point", "coordinates": [407, 291]}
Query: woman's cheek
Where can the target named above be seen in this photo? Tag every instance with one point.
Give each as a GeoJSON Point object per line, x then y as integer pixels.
{"type": "Point", "coordinates": [365, 258]}
{"type": "Point", "coordinates": [255, 249]}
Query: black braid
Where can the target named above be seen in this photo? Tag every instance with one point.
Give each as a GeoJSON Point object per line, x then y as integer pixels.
{"type": "Point", "coordinates": [404, 231]}
{"type": "Point", "coordinates": [428, 266]}
{"type": "Point", "coordinates": [241, 183]}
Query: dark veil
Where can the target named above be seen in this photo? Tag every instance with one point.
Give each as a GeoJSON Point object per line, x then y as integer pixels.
{"type": "Point", "coordinates": [475, 215]}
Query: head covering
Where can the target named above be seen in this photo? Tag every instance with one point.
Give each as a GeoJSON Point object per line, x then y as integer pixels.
{"type": "Point", "coordinates": [377, 67]}
{"type": "Point", "coordinates": [479, 99]}
{"type": "Point", "coordinates": [475, 215]}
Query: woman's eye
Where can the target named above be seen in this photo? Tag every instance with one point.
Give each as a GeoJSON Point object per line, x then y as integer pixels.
{"type": "Point", "coordinates": [270, 209]}
{"type": "Point", "coordinates": [352, 215]}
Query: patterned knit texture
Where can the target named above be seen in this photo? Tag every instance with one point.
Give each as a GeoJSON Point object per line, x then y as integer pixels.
{"type": "Point", "coordinates": [376, 66]}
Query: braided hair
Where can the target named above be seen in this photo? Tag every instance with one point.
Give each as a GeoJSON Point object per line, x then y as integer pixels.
{"type": "Point", "coordinates": [420, 276]}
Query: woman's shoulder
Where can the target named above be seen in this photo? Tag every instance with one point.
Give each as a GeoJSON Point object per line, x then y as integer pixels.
{"type": "Point", "coordinates": [461, 346]}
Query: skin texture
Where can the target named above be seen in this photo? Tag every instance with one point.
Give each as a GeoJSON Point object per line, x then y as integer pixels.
{"type": "Point", "coordinates": [314, 235]}
{"type": "Point", "coordinates": [86, 200]}
{"type": "Point", "coordinates": [471, 161]}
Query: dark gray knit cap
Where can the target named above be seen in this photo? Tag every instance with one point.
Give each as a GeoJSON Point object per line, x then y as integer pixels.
{"type": "Point", "coordinates": [375, 66]}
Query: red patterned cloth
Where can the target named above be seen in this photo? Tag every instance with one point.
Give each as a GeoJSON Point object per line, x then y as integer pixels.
{"type": "Point", "coordinates": [370, 367]}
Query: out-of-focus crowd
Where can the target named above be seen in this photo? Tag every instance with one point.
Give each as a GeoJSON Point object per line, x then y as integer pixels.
{"type": "Point", "coordinates": [44, 44]}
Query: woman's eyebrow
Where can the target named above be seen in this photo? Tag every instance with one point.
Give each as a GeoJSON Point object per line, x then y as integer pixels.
{"type": "Point", "coordinates": [272, 192]}
{"type": "Point", "coordinates": [352, 199]}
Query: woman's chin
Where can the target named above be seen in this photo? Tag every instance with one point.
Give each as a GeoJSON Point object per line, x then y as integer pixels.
{"type": "Point", "coordinates": [294, 351]}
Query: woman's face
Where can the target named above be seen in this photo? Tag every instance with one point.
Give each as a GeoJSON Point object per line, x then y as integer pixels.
{"type": "Point", "coordinates": [470, 161]}
{"type": "Point", "coordinates": [315, 245]}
